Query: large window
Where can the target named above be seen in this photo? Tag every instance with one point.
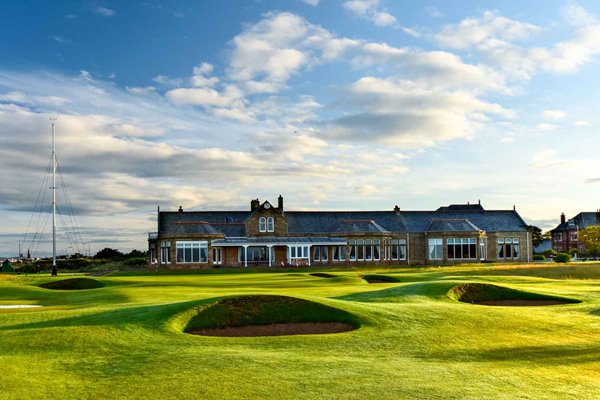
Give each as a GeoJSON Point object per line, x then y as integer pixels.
{"type": "Point", "coordinates": [339, 253]}
{"type": "Point", "coordinates": [262, 224]}
{"type": "Point", "coordinates": [353, 248]}
{"type": "Point", "coordinates": [558, 237]}
{"type": "Point", "coordinates": [509, 248]}
{"type": "Point", "coordinates": [255, 254]}
{"type": "Point", "coordinates": [464, 248]}
{"type": "Point", "coordinates": [396, 249]}
{"type": "Point", "coordinates": [298, 252]}
{"type": "Point", "coordinates": [435, 249]}
{"type": "Point", "coordinates": [192, 252]}
{"type": "Point", "coordinates": [320, 253]}
{"type": "Point", "coordinates": [270, 224]}
{"type": "Point", "coordinates": [165, 252]}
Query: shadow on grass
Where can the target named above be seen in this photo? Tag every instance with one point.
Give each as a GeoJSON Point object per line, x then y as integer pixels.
{"type": "Point", "coordinates": [430, 290]}
{"type": "Point", "coordinates": [151, 317]}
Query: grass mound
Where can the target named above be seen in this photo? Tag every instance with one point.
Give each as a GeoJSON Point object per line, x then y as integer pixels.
{"type": "Point", "coordinates": [268, 315]}
{"type": "Point", "coordinates": [380, 279]}
{"type": "Point", "coordinates": [322, 275]}
{"type": "Point", "coordinates": [73, 284]}
{"type": "Point", "coordinates": [492, 295]}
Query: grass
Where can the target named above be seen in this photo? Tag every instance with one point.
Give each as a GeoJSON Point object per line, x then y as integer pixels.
{"type": "Point", "coordinates": [126, 340]}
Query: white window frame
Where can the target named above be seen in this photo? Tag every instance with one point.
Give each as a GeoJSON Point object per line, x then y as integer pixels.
{"type": "Point", "coordinates": [262, 224]}
{"type": "Point", "coordinates": [558, 236]}
{"type": "Point", "coordinates": [165, 252]}
{"type": "Point", "coordinates": [298, 252]}
{"type": "Point", "coordinates": [192, 245]}
{"type": "Point", "coordinates": [217, 255]}
{"type": "Point", "coordinates": [438, 247]}
{"type": "Point", "coordinates": [270, 224]}
{"type": "Point", "coordinates": [339, 253]}
{"type": "Point", "coordinates": [461, 242]}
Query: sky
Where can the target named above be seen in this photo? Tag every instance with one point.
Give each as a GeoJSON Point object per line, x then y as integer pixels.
{"type": "Point", "coordinates": [334, 104]}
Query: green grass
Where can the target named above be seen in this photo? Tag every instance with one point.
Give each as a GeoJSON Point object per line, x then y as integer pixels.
{"type": "Point", "coordinates": [126, 340]}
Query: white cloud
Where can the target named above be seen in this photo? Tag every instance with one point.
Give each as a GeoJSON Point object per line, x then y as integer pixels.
{"type": "Point", "coordinates": [104, 11]}
{"type": "Point", "coordinates": [141, 90]}
{"type": "Point", "coordinates": [554, 114]}
{"type": "Point", "coordinates": [577, 16]}
{"type": "Point", "coordinates": [369, 10]}
{"type": "Point", "coordinates": [313, 3]}
{"type": "Point", "coordinates": [581, 123]}
{"type": "Point", "coordinates": [546, 127]}
{"type": "Point", "coordinates": [547, 159]}
{"type": "Point", "coordinates": [491, 27]}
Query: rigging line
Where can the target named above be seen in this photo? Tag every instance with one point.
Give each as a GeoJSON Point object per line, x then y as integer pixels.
{"type": "Point", "coordinates": [36, 244]}
{"type": "Point", "coordinates": [37, 201]}
{"type": "Point", "coordinates": [70, 236]}
{"type": "Point", "coordinates": [76, 230]}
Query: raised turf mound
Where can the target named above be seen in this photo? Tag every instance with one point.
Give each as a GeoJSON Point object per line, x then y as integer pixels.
{"type": "Point", "coordinates": [380, 279]}
{"type": "Point", "coordinates": [322, 275]}
{"type": "Point", "coordinates": [492, 295]}
{"type": "Point", "coordinates": [267, 315]}
{"type": "Point", "coordinates": [73, 284]}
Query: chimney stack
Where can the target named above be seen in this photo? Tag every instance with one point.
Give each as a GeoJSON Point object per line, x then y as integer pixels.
{"type": "Point", "coordinates": [598, 215]}
{"type": "Point", "coordinates": [180, 209]}
{"type": "Point", "coordinates": [562, 218]}
{"type": "Point", "coordinates": [254, 204]}
{"type": "Point", "coordinates": [280, 203]}
{"type": "Point", "coordinates": [397, 209]}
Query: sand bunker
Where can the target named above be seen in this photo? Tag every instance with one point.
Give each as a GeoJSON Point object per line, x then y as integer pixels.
{"type": "Point", "coordinates": [267, 315]}
{"type": "Point", "coordinates": [380, 279]}
{"type": "Point", "coordinates": [492, 295]}
{"type": "Point", "coordinates": [73, 284]}
{"type": "Point", "coordinates": [322, 275]}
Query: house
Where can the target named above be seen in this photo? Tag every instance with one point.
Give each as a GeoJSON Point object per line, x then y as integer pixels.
{"type": "Point", "coordinates": [269, 235]}
{"type": "Point", "coordinates": [565, 236]}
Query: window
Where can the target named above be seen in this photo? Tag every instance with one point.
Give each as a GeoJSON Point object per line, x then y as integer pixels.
{"type": "Point", "coordinates": [320, 253]}
{"type": "Point", "coordinates": [353, 248]}
{"type": "Point", "coordinates": [339, 253]}
{"type": "Point", "coordinates": [216, 259]}
{"type": "Point", "coordinates": [165, 252]}
{"type": "Point", "coordinates": [397, 250]}
{"type": "Point", "coordinates": [368, 249]}
{"type": "Point", "coordinates": [376, 243]}
{"type": "Point", "coordinates": [558, 237]}
{"type": "Point", "coordinates": [509, 248]}
{"type": "Point", "coordinates": [464, 248]}
{"type": "Point", "coordinates": [262, 224]}
{"type": "Point", "coordinates": [435, 249]}
{"type": "Point", "coordinates": [361, 249]}
{"type": "Point", "coordinates": [298, 252]}
{"type": "Point", "coordinates": [255, 254]}
{"type": "Point", "coordinates": [574, 236]}
{"type": "Point", "coordinates": [270, 224]}
{"type": "Point", "coordinates": [192, 252]}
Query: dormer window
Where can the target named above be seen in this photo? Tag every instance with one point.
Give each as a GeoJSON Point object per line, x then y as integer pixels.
{"type": "Point", "coordinates": [262, 224]}
{"type": "Point", "coordinates": [270, 224]}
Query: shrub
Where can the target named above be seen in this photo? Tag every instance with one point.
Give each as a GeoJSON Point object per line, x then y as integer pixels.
{"type": "Point", "coordinates": [562, 258]}
{"type": "Point", "coordinates": [548, 252]}
{"type": "Point", "coordinates": [538, 257]}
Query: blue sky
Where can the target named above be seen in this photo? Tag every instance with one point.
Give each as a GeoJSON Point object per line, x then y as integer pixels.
{"type": "Point", "coordinates": [335, 104]}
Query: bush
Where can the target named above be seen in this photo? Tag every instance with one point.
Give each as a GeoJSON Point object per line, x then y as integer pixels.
{"type": "Point", "coordinates": [538, 257]}
{"type": "Point", "coordinates": [548, 252]}
{"type": "Point", "coordinates": [562, 258]}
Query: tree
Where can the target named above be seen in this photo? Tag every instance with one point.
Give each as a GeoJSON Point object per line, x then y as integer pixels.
{"type": "Point", "coordinates": [536, 235]}
{"type": "Point", "coordinates": [590, 238]}
{"type": "Point", "coordinates": [108, 253]}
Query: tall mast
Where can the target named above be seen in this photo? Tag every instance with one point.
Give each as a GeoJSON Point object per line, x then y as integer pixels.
{"type": "Point", "coordinates": [54, 269]}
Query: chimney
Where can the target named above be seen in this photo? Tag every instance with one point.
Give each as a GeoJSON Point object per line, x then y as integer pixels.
{"type": "Point", "coordinates": [280, 203]}
{"type": "Point", "coordinates": [598, 215]}
{"type": "Point", "coordinates": [562, 218]}
{"type": "Point", "coordinates": [180, 209]}
{"type": "Point", "coordinates": [254, 204]}
{"type": "Point", "coordinates": [397, 209]}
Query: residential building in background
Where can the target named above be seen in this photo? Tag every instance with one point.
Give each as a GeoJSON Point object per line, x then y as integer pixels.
{"type": "Point", "coordinates": [565, 236]}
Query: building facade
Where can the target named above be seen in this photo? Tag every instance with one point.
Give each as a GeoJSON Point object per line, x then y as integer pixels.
{"type": "Point", "coordinates": [565, 236]}
{"type": "Point", "coordinates": [267, 235]}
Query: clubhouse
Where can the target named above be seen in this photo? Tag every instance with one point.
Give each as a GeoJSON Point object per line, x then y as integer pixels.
{"type": "Point", "coordinates": [269, 236]}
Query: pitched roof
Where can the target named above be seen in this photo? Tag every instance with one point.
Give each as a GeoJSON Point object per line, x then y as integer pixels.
{"type": "Point", "coordinates": [231, 223]}
{"type": "Point", "coordinates": [580, 221]}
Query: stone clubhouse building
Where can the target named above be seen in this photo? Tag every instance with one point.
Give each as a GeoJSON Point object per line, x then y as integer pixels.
{"type": "Point", "coordinates": [270, 236]}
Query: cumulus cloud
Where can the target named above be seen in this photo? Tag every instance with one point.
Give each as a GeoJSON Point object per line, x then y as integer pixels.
{"type": "Point", "coordinates": [554, 114]}
{"type": "Point", "coordinates": [544, 127]}
{"type": "Point", "coordinates": [369, 10]}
